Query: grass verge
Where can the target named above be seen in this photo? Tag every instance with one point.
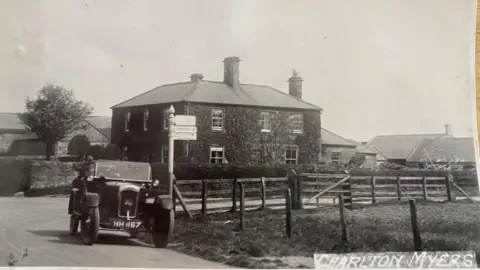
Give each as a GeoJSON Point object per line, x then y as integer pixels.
{"type": "Point", "coordinates": [373, 228]}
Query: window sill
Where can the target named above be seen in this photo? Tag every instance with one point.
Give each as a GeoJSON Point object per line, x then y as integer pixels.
{"type": "Point", "coordinates": [265, 130]}
{"type": "Point", "coordinates": [297, 132]}
{"type": "Point", "coordinates": [218, 129]}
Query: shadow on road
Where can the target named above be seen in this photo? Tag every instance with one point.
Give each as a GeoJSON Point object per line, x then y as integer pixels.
{"type": "Point", "coordinates": [63, 237]}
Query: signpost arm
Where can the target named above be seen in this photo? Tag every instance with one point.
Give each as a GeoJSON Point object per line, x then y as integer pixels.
{"type": "Point", "coordinates": [171, 123]}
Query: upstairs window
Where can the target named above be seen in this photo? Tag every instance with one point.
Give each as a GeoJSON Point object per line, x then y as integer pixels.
{"type": "Point", "coordinates": [145, 119]}
{"type": "Point", "coordinates": [266, 121]}
{"type": "Point", "coordinates": [335, 157]}
{"type": "Point", "coordinates": [217, 119]}
{"type": "Point", "coordinates": [165, 119]}
{"type": "Point", "coordinates": [291, 155]}
{"type": "Point", "coordinates": [127, 121]}
{"type": "Point", "coordinates": [164, 157]}
{"type": "Point", "coordinates": [217, 155]}
{"type": "Point", "coordinates": [297, 123]}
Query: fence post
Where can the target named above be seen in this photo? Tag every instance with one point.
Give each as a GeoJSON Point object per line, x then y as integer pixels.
{"type": "Point", "coordinates": [417, 241]}
{"type": "Point", "coordinates": [299, 192]}
{"type": "Point", "coordinates": [242, 207]}
{"type": "Point", "coordinates": [343, 222]}
{"type": "Point", "coordinates": [374, 196]}
{"type": "Point", "coordinates": [448, 183]}
{"type": "Point", "coordinates": [424, 187]}
{"type": "Point", "coordinates": [263, 191]}
{"type": "Point", "coordinates": [288, 212]}
{"type": "Point", "coordinates": [399, 189]}
{"type": "Point", "coordinates": [292, 184]}
{"type": "Point", "coordinates": [204, 198]}
{"type": "Point", "coordinates": [234, 196]}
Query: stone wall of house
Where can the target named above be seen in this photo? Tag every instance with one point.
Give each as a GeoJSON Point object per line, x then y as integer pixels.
{"type": "Point", "coordinates": [346, 153]}
{"type": "Point", "coordinates": [243, 139]}
{"type": "Point", "coordinates": [241, 136]}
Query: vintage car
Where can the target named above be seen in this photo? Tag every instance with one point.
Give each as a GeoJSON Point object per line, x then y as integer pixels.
{"type": "Point", "coordinates": [121, 196]}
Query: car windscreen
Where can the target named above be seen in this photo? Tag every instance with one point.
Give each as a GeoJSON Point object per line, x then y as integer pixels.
{"type": "Point", "coordinates": [123, 170]}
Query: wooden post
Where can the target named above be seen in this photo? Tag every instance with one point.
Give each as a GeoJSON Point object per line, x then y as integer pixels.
{"type": "Point", "coordinates": [234, 196]}
{"type": "Point", "coordinates": [424, 187]}
{"type": "Point", "coordinates": [299, 192]}
{"type": "Point", "coordinates": [343, 222]}
{"type": "Point", "coordinates": [242, 207]}
{"type": "Point", "coordinates": [417, 241]}
{"type": "Point", "coordinates": [263, 190]}
{"type": "Point", "coordinates": [288, 212]}
{"type": "Point", "coordinates": [399, 190]}
{"type": "Point", "coordinates": [292, 184]}
{"type": "Point", "coordinates": [374, 196]}
{"type": "Point", "coordinates": [448, 183]}
{"type": "Point", "coordinates": [204, 198]}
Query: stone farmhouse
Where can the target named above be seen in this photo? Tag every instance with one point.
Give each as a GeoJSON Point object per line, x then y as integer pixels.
{"type": "Point", "coordinates": [236, 122]}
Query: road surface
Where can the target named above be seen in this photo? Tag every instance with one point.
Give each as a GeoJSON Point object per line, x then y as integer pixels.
{"type": "Point", "coordinates": [41, 226]}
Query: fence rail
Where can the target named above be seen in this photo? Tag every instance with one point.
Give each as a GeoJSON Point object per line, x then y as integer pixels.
{"type": "Point", "coordinates": [313, 190]}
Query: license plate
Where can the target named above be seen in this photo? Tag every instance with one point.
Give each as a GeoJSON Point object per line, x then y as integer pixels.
{"type": "Point", "coordinates": [126, 224]}
{"type": "Point", "coordinates": [150, 200]}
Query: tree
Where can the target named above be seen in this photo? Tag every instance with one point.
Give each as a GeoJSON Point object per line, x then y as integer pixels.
{"type": "Point", "coordinates": [54, 114]}
{"type": "Point", "coordinates": [78, 146]}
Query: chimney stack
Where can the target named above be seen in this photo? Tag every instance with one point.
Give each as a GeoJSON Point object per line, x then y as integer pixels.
{"type": "Point", "coordinates": [196, 77]}
{"type": "Point", "coordinates": [231, 71]}
{"type": "Point", "coordinates": [448, 130]}
{"type": "Point", "coordinates": [295, 85]}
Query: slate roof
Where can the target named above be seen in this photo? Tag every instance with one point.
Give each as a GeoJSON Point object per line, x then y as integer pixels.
{"type": "Point", "coordinates": [399, 146]}
{"type": "Point", "coordinates": [362, 149]}
{"type": "Point", "coordinates": [218, 93]}
{"type": "Point", "coordinates": [441, 149]}
{"type": "Point", "coordinates": [330, 138]}
{"type": "Point", "coordinates": [101, 123]}
{"type": "Point", "coordinates": [10, 121]}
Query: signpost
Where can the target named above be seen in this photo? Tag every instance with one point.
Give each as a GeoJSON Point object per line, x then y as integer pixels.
{"type": "Point", "coordinates": [180, 127]}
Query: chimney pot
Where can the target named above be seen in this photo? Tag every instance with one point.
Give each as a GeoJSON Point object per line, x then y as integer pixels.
{"type": "Point", "coordinates": [448, 129]}
{"type": "Point", "coordinates": [231, 71]}
{"type": "Point", "coordinates": [196, 77]}
{"type": "Point", "coordinates": [295, 85]}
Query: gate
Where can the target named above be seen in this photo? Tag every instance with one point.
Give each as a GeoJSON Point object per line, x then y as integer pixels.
{"type": "Point", "coordinates": [323, 189]}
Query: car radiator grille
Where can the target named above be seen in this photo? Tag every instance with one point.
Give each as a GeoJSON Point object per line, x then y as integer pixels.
{"type": "Point", "coordinates": [128, 203]}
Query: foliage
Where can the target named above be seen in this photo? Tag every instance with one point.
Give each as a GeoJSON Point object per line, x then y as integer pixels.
{"type": "Point", "coordinates": [78, 145]}
{"type": "Point", "coordinates": [272, 144]}
{"type": "Point", "coordinates": [112, 152]}
{"type": "Point", "coordinates": [54, 114]}
{"type": "Point", "coordinates": [357, 160]}
{"type": "Point", "coordinates": [96, 151]}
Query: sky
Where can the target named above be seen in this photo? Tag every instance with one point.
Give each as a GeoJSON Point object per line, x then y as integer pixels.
{"type": "Point", "coordinates": [374, 66]}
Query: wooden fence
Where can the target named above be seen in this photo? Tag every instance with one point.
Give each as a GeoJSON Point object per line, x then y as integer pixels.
{"type": "Point", "coordinates": [313, 190]}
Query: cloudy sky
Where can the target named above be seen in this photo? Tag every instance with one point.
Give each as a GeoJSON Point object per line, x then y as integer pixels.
{"type": "Point", "coordinates": [374, 66]}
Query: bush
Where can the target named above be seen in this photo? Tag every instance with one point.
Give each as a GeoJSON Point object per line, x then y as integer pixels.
{"type": "Point", "coordinates": [112, 152]}
{"type": "Point", "coordinates": [78, 145]}
{"type": "Point", "coordinates": [96, 151]}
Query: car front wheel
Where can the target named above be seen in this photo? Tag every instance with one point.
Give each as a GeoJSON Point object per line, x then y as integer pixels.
{"type": "Point", "coordinates": [162, 228]}
{"type": "Point", "coordinates": [90, 223]}
{"type": "Point", "coordinates": [74, 221]}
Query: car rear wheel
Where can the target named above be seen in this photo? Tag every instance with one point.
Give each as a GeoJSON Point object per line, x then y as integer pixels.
{"type": "Point", "coordinates": [74, 221]}
{"type": "Point", "coordinates": [90, 223]}
{"type": "Point", "coordinates": [162, 229]}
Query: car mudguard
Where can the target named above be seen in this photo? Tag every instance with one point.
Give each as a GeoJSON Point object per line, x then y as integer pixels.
{"type": "Point", "coordinates": [92, 199]}
{"type": "Point", "coordinates": [164, 202]}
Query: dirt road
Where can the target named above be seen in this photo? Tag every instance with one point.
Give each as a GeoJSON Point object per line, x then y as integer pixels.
{"type": "Point", "coordinates": [41, 226]}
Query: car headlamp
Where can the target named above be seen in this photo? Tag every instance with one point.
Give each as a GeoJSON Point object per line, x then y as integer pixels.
{"type": "Point", "coordinates": [156, 182]}
{"type": "Point", "coordinates": [90, 178]}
